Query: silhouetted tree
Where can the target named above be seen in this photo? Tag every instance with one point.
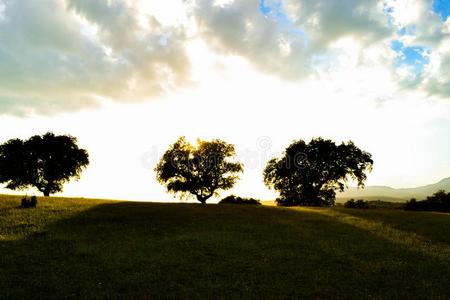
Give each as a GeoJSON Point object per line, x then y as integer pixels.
{"type": "Point", "coordinates": [439, 201]}
{"type": "Point", "coordinates": [201, 170]}
{"type": "Point", "coordinates": [44, 162]}
{"type": "Point", "coordinates": [310, 174]}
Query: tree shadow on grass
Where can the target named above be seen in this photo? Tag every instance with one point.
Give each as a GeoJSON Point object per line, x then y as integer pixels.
{"type": "Point", "coordinates": [142, 250]}
{"type": "Point", "coordinates": [431, 225]}
{"type": "Point", "coordinates": [408, 239]}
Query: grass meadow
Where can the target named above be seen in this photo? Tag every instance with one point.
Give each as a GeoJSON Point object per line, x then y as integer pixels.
{"type": "Point", "coordinates": [85, 248]}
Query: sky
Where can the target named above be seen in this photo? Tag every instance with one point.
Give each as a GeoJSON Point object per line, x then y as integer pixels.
{"type": "Point", "coordinates": [128, 77]}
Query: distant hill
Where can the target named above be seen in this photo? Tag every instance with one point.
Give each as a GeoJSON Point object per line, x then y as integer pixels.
{"type": "Point", "coordinates": [386, 193]}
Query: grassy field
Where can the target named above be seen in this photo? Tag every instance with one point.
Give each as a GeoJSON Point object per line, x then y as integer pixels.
{"type": "Point", "coordinates": [80, 248]}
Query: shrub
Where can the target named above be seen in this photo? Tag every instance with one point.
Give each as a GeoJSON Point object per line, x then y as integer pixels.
{"type": "Point", "coordinates": [385, 204]}
{"type": "Point", "coordinates": [29, 202]}
{"type": "Point", "coordinates": [360, 204]}
{"type": "Point", "coordinates": [296, 201]}
{"type": "Point", "coordinates": [239, 200]}
{"type": "Point", "coordinates": [350, 203]}
{"type": "Point", "coordinates": [440, 201]}
{"type": "Point", "coordinates": [288, 201]}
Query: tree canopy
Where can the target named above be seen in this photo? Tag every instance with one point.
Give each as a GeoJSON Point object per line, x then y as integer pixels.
{"type": "Point", "coordinates": [201, 170]}
{"type": "Point", "coordinates": [439, 201]}
{"type": "Point", "coordinates": [44, 162]}
{"type": "Point", "coordinates": [311, 173]}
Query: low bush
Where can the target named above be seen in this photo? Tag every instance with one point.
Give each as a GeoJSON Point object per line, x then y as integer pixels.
{"type": "Point", "coordinates": [287, 201]}
{"type": "Point", "coordinates": [29, 202]}
{"type": "Point", "coordinates": [360, 204]}
{"type": "Point", "coordinates": [297, 201]}
{"type": "Point", "coordinates": [385, 204]}
{"type": "Point", "coordinates": [239, 200]}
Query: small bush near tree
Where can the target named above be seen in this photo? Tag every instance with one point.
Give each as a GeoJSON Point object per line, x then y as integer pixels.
{"type": "Point", "coordinates": [360, 204]}
{"type": "Point", "coordinates": [288, 201]}
{"type": "Point", "coordinates": [29, 202]}
{"type": "Point", "coordinates": [239, 200]}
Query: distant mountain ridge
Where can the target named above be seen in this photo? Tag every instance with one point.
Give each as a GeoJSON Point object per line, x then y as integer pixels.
{"type": "Point", "coordinates": [419, 193]}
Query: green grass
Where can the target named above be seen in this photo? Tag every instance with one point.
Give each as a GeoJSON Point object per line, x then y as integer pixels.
{"type": "Point", "coordinates": [81, 248]}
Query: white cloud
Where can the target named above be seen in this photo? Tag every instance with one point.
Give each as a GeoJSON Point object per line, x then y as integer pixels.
{"type": "Point", "coordinates": [326, 21]}
{"type": "Point", "coordinates": [239, 28]}
{"type": "Point", "coordinates": [62, 56]}
{"type": "Point", "coordinates": [288, 40]}
{"type": "Point", "coordinates": [2, 12]}
{"type": "Point", "coordinates": [70, 54]}
{"type": "Point", "coordinates": [299, 39]}
{"type": "Point", "coordinates": [438, 72]}
{"type": "Point", "coordinates": [423, 28]}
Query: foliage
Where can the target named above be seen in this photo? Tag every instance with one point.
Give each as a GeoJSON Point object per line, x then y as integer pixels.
{"type": "Point", "coordinates": [361, 204]}
{"type": "Point", "coordinates": [310, 174]}
{"type": "Point", "coordinates": [289, 200]}
{"type": "Point", "coordinates": [28, 202]}
{"type": "Point", "coordinates": [200, 170]}
{"type": "Point", "coordinates": [439, 201]}
{"type": "Point", "coordinates": [385, 204]}
{"type": "Point", "coordinates": [44, 162]}
{"type": "Point", "coordinates": [232, 199]}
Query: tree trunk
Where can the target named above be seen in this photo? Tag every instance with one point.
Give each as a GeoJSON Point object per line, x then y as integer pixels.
{"type": "Point", "coordinates": [202, 199]}
{"type": "Point", "coordinates": [312, 196]}
{"type": "Point", "coordinates": [46, 193]}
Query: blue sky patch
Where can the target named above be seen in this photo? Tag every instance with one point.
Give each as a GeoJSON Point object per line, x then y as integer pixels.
{"type": "Point", "coordinates": [442, 8]}
{"type": "Point", "coordinates": [415, 56]}
{"type": "Point", "coordinates": [275, 11]}
{"type": "Point", "coordinates": [263, 8]}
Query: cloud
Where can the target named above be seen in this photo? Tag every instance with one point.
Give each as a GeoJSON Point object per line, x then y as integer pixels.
{"type": "Point", "coordinates": [63, 55]}
{"type": "Point", "coordinates": [298, 39]}
{"type": "Point", "coordinates": [289, 38]}
{"type": "Point", "coordinates": [421, 26]}
{"type": "Point", "coordinates": [437, 81]}
{"type": "Point", "coordinates": [326, 21]}
{"type": "Point", "coordinates": [239, 28]}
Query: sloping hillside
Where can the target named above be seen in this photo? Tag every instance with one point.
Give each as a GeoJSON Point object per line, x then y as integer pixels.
{"type": "Point", "coordinates": [392, 194]}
